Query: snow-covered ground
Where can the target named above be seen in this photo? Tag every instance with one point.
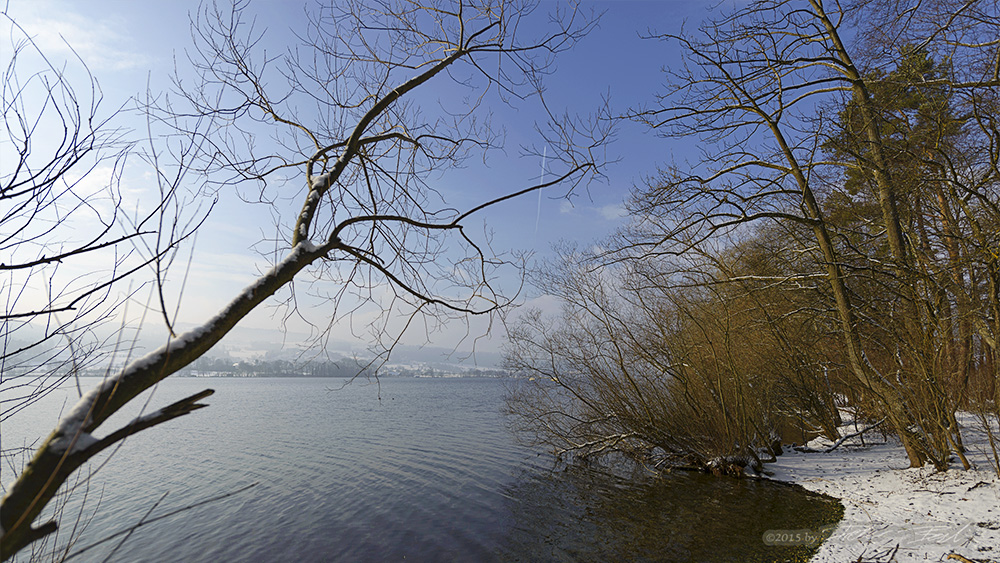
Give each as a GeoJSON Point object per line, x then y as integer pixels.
{"type": "Point", "coordinates": [930, 516]}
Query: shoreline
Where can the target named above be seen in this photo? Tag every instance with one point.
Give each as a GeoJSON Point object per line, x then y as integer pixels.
{"type": "Point", "coordinates": [895, 513]}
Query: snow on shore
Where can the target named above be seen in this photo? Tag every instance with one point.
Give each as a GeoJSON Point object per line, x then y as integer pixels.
{"type": "Point", "coordinates": [928, 515]}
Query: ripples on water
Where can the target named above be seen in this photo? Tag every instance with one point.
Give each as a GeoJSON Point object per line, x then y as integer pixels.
{"type": "Point", "coordinates": [412, 469]}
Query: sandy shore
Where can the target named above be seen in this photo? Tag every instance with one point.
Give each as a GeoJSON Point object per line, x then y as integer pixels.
{"type": "Point", "coordinates": [893, 513]}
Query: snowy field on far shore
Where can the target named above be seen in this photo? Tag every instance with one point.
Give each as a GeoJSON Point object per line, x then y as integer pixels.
{"type": "Point", "coordinates": [893, 513]}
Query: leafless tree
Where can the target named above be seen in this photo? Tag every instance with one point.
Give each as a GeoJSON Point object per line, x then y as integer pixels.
{"type": "Point", "coordinates": [71, 248]}
{"type": "Point", "coordinates": [758, 90]}
{"type": "Point", "coordinates": [853, 132]}
{"type": "Point", "coordinates": [43, 195]}
{"type": "Point", "coordinates": [353, 134]}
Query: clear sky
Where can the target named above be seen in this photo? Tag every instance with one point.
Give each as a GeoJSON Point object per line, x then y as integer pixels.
{"type": "Point", "coordinates": [131, 44]}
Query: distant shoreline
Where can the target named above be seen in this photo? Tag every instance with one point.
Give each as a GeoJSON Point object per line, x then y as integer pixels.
{"type": "Point", "coordinates": [222, 375]}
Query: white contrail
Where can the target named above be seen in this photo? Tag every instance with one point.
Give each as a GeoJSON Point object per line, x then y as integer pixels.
{"type": "Point", "coordinates": [541, 178]}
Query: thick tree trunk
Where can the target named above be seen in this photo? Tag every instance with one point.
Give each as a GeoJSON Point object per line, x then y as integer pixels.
{"type": "Point", "coordinates": [915, 449]}
{"type": "Point", "coordinates": [862, 370]}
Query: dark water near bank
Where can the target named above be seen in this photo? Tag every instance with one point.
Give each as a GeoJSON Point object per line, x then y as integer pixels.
{"type": "Point", "coordinates": [415, 470]}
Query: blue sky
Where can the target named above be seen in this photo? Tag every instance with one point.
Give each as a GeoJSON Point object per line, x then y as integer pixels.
{"type": "Point", "coordinates": [129, 44]}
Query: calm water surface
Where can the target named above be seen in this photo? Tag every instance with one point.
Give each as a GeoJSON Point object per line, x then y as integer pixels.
{"type": "Point", "coordinates": [411, 469]}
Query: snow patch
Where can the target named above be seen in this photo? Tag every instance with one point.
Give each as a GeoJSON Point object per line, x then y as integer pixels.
{"type": "Point", "coordinates": [319, 183]}
{"type": "Point", "coordinates": [928, 514]}
{"type": "Point", "coordinates": [175, 344]}
{"type": "Point", "coordinates": [72, 423]}
{"type": "Point", "coordinates": [75, 443]}
{"type": "Point", "coordinates": [146, 417]}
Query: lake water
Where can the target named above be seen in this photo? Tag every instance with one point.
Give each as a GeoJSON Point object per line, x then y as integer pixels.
{"type": "Point", "coordinates": [410, 469]}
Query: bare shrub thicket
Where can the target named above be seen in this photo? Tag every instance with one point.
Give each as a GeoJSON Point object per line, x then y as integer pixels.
{"type": "Point", "coordinates": [660, 366]}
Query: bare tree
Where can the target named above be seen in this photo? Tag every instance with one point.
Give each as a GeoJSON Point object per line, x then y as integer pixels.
{"type": "Point", "coordinates": [73, 251]}
{"type": "Point", "coordinates": [359, 145]}
{"type": "Point", "coordinates": [752, 90]}
{"type": "Point", "coordinates": [43, 194]}
{"type": "Point", "coordinates": [842, 190]}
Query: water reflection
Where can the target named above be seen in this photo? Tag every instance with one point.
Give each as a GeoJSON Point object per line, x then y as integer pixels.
{"type": "Point", "coordinates": [588, 514]}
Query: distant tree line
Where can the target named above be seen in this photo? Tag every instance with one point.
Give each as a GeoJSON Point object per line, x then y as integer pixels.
{"type": "Point", "coordinates": [345, 367]}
